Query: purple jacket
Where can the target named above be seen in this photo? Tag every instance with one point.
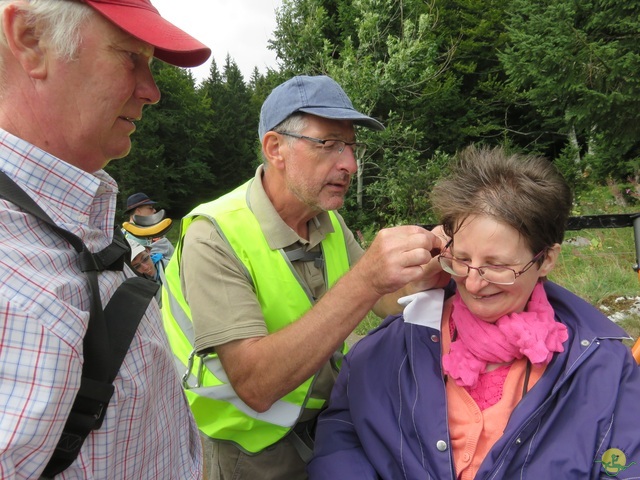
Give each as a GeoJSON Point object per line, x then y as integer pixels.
{"type": "Point", "coordinates": [387, 417]}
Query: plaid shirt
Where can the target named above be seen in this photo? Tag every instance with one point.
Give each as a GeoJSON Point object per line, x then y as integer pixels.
{"type": "Point", "coordinates": [148, 432]}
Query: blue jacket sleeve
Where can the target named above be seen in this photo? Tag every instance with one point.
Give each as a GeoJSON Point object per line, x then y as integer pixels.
{"type": "Point", "coordinates": [338, 452]}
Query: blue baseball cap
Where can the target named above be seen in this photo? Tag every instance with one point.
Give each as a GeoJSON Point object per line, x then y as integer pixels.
{"type": "Point", "coordinates": [317, 95]}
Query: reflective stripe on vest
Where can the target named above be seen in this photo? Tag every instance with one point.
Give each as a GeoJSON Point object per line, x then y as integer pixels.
{"type": "Point", "coordinates": [219, 412]}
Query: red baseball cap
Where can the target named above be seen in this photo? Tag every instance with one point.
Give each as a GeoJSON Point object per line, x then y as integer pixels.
{"type": "Point", "coordinates": [142, 20]}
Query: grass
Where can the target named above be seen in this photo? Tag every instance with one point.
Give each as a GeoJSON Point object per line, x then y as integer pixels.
{"type": "Point", "coordinates": [369, 322]}
{"type": "Point", "coordinates": [601, 271]}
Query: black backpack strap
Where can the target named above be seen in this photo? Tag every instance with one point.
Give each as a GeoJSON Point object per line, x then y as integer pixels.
{"type": "Point", "coordinates": [108, 335]}
{"type": "Point", "coordinates": [128, 303]}
{"type": "Point", "coordinates": [115, 255]}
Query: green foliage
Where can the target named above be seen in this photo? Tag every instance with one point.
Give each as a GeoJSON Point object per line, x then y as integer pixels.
{"type": "Point", "coordinates": [471, 33]}
{"type": "Point", "coordinates": [388, 61]}
{"type": "Point", "coordinates": [572, 170]}
{"type": "Point", "coordinates": [402, 196]}
{"type": "Point", "coordinates": [606, 200]}
{"type": "Point", "coordinates": [553, 78]}
{"type": "Point", "coordinates": [577, 63]}
{"type": "Point", "coordinates": [433, 73]}
{"type": "Point", "coordinates": [299, 41]}
{"type": "Point", "coordinates": [232, 144]}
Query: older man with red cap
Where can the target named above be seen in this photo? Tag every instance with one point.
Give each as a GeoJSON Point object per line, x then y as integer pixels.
{"type": "Point", "coordinates": [74, 78]}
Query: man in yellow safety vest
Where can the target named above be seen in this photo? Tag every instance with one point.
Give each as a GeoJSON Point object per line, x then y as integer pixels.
{"type": "Point", "coordinates": [267, 282]}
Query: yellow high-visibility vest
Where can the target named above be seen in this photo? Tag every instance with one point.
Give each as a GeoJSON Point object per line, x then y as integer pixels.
{"type": "Point", "coordinates": [218, 411]}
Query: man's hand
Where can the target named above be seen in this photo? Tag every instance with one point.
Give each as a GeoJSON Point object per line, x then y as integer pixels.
{"type": "Point", "coordinates": [399, 256]}
{"type": "Point", "coordinates": [424, 276]}
{"type": "Point", "coordinates": [433, 275]}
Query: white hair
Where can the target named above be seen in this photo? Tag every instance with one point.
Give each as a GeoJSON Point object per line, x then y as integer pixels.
{"type": "Point", "coordinates": [57, 21]}
{"type": "Point", "coordinates": [294, 123]}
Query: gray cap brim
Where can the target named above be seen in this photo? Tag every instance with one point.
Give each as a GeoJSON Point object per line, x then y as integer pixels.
{"type": "Point", "coordinates": [344, 114]}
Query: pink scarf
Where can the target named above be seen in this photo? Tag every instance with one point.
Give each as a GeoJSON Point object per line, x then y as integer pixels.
{"type": "Point", "coordinates": [533, 333]}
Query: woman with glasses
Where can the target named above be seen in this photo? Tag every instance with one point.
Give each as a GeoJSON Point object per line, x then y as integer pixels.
{"type": "Point", "coordinates": [504, 374]}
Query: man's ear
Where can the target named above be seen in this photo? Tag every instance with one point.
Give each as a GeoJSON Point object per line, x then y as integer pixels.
{"type": "Point", "coordinates": [24, 42]}
{"type": "Point", "coordinates": [272, 145]}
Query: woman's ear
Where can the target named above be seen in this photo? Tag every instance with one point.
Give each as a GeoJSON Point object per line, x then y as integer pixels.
{"type": "Point", "coordinates": [550, 259]}
{"type": "Point", "coordinates": [24, 41]}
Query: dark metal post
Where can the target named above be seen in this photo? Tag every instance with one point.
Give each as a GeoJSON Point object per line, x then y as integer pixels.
{"type": "Point", "coordinates": [636, 238]}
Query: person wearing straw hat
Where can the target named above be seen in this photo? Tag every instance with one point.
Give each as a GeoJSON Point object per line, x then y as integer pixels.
{"type": "Point", "coordinates": [74, 79]}
{"type": "Point", "coordinates": [260, 294]}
